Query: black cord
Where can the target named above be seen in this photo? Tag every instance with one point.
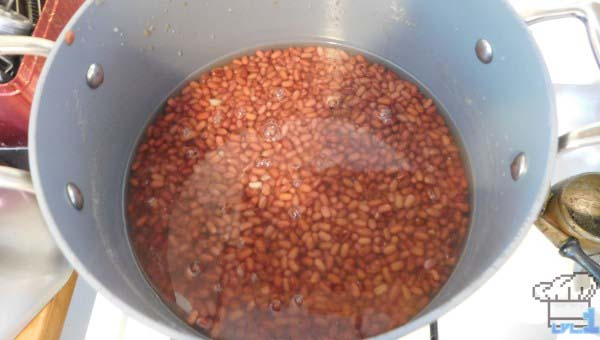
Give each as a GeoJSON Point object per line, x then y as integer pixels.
{"type": "Point", "coordinates": [433, 331]}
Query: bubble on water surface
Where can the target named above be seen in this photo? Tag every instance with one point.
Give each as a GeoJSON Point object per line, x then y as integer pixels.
{"type": "Point", "coordinates": [298, 299]}
{"type": "Point", "coordinates": [279, 93]}
{"type": "Point", "coordinates": [297, 182]}
{"type": "Point", "coordinates": [431, 194]}
{"type": "Point", "coordinates": [385, 115]}
{"type": "Point", "coordinates": [218, 288]}
{"type": "Point", "coordinates": [194, 268]}
{"type": "Point", "coordinates": [271, 131]}
{"type": "Point", "coordinates": [264, 163]}
{"type": "Point", "coordinates": [240, 271]}
{"type": "Point", "coordinates": [241, 113]}
{"type": "Point", "coordinates": [186, 133]}
{"type": "Point", "coordinates": [217, 118]}
{"type": "Point", "coordinates": [191, 153]}
{"type": "Point", "coordinates": [295, 213]}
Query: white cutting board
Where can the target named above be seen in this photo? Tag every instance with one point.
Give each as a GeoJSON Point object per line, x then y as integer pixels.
{"type": "Point", "coordinates": [32, 268]}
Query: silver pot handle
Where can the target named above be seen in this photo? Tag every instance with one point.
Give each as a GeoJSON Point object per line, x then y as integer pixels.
{"type": "Point", "coordinates": [10, 178]}
{"type": "Point", "coordinates": [23, 45]}
{"type": "Point", "coordinates": [14, 179]}
{"type": "Point", "coordinates": [555, 221]}
{"type": "Point", "coordinates": [588, 11]}
{"type": "Point", "coordinates": [586, 136]}
{"type": "Point", "coordinates": [572, 250]}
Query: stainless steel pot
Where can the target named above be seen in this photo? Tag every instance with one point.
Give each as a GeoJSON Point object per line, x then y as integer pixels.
{"type": "Point", "coordinates": [95, 96]}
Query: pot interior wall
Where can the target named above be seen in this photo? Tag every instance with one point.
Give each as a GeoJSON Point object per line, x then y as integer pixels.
{"type": "Point", "coordinates": [147, 48]}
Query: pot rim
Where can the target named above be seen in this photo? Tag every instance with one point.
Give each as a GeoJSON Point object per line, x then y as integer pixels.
{"type": "Point", "coordinates": [419, 321]}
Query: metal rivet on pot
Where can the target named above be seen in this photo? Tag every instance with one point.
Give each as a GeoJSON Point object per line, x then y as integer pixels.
{"type": "Point", "coordinates": [484, 51]}
{"type": "Point", "coordinates": [95, 76]}
{"type": "Point", "coordinates": [75, 196]}
{"type": "Point", "coordinates": [518, 167]}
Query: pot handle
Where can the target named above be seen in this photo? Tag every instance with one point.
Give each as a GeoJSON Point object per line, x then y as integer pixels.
{"type": "Point", "coordinates": [585, 136]}
{"type": "Point", "coordinates": [10, 178]}
{"type": "Point", "coordinates": [572, 250]}
{"type": "Point", "coordinates": [588, 11]}
{"type": "Point", "coordinates": [15, 179]}
{"type": "Point", "coordinates": [570, 218]}
{"type": "Point", "coordinates": [555, 220]}
{"type": "Point", "coordinates": [24, 45]}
